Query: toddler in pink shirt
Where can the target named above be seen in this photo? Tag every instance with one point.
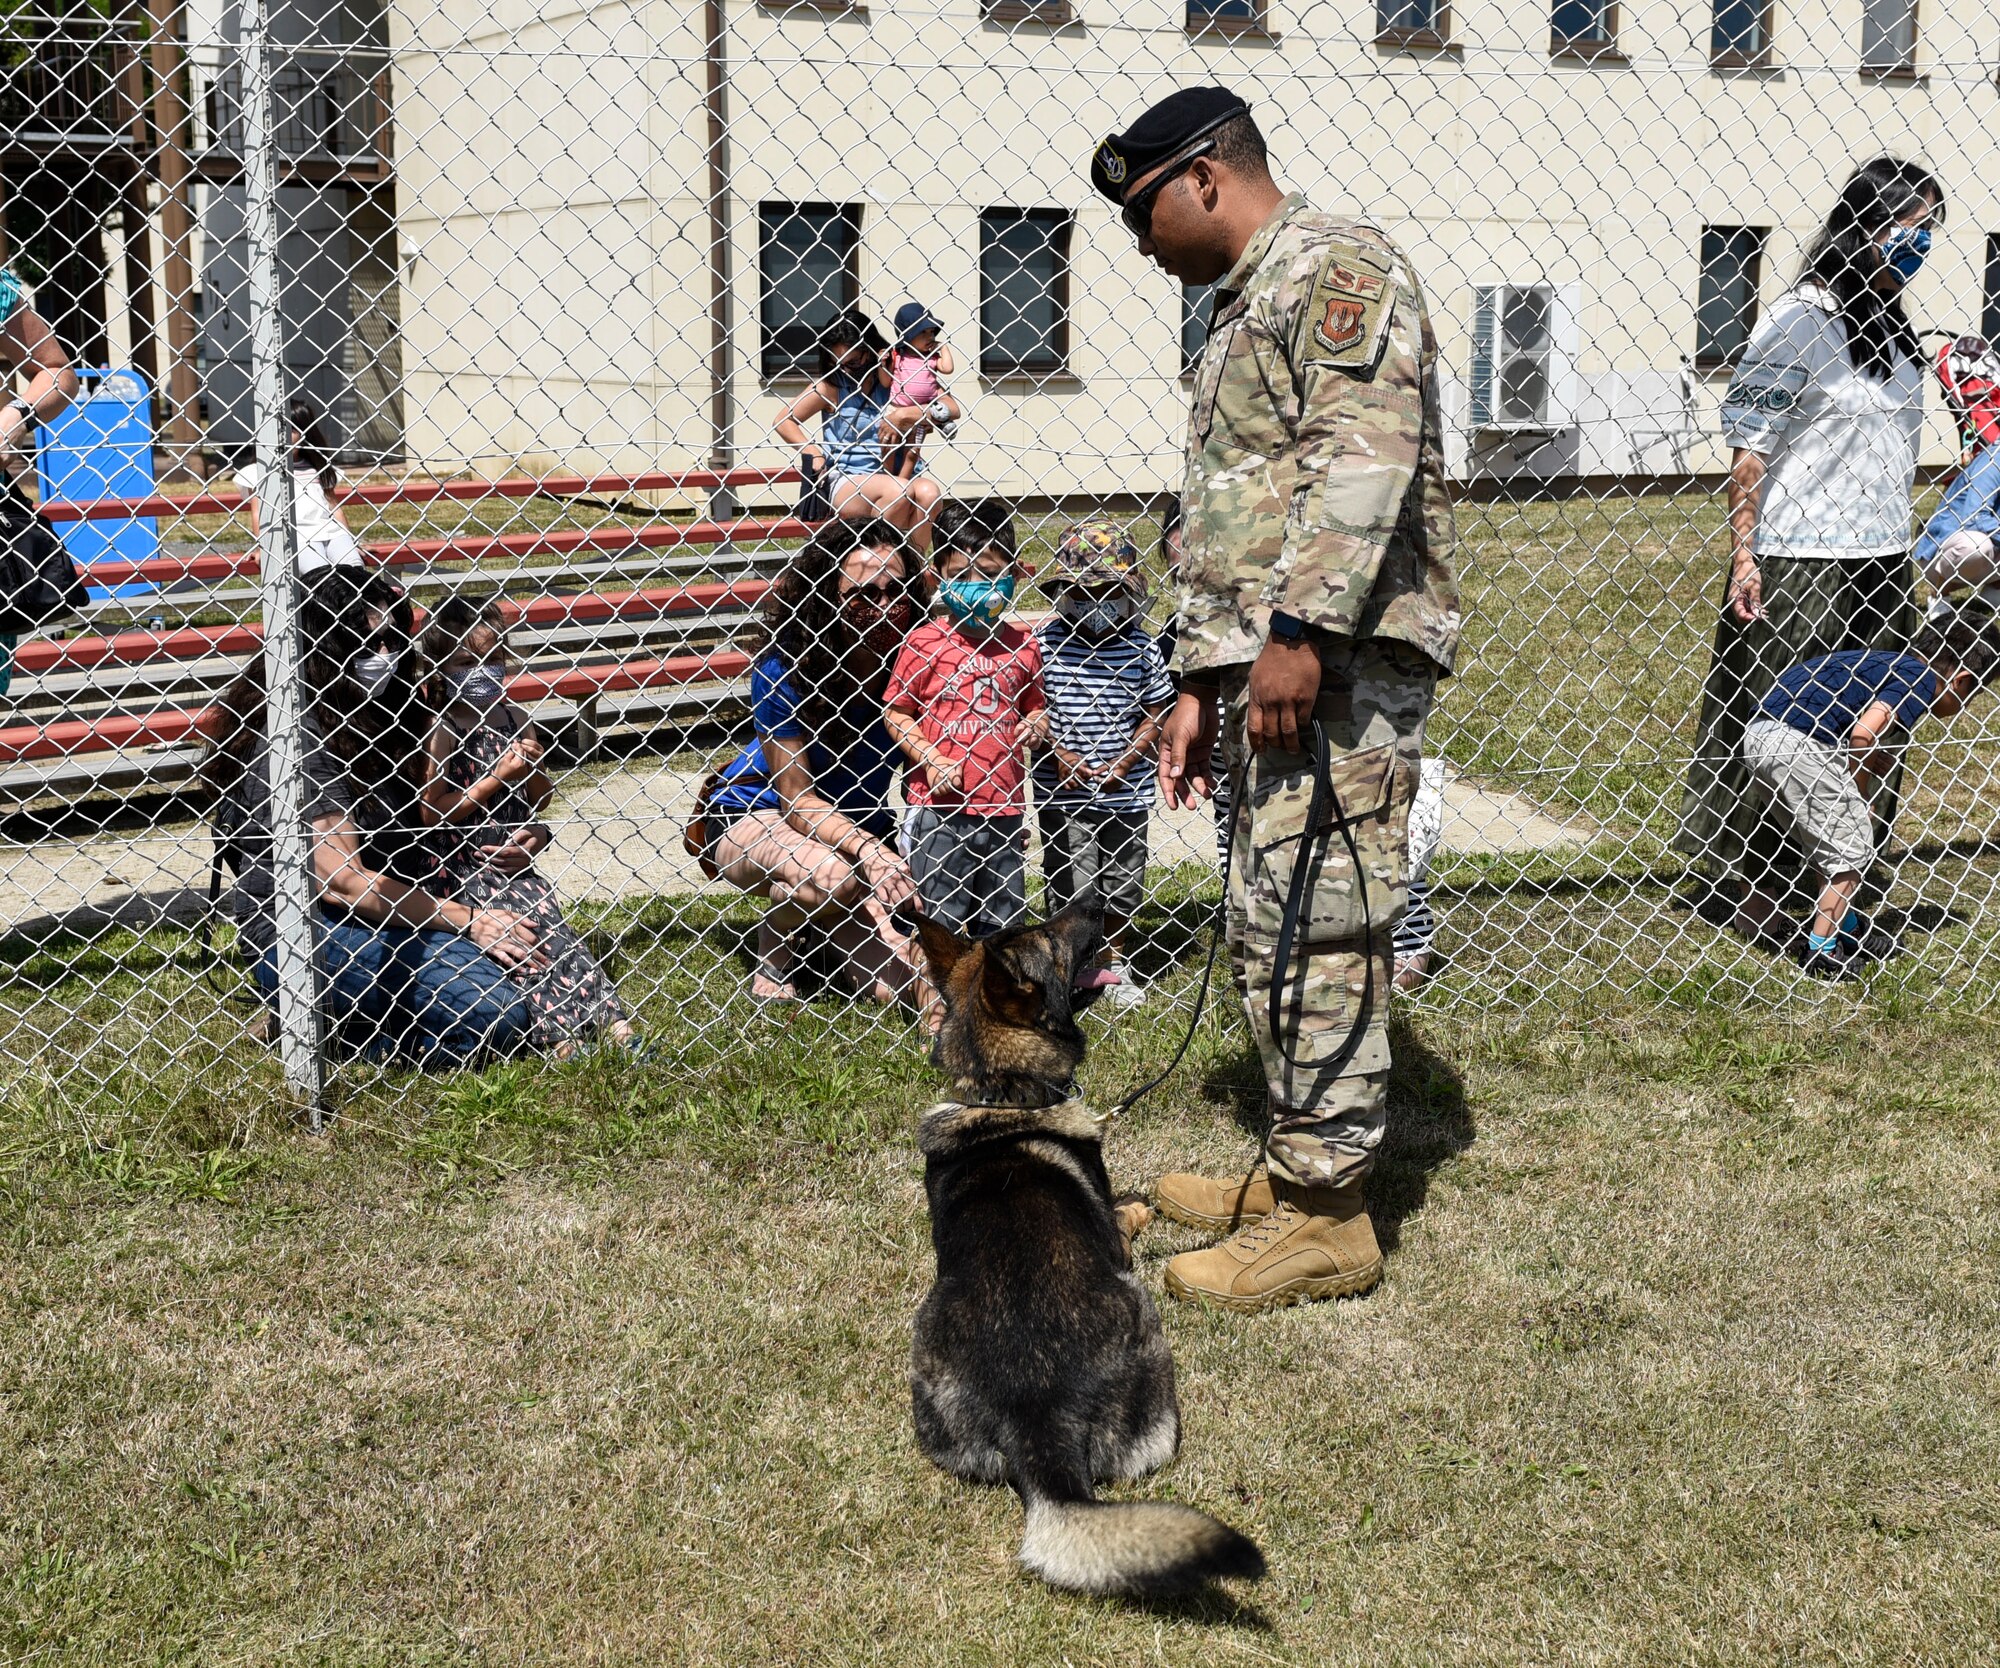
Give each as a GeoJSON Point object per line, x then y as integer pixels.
{"type": "Point", "coordinates": [917, 401]}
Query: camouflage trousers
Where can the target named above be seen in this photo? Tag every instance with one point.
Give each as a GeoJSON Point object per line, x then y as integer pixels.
{"type": "Point", "coordinates": [1327, 1116]}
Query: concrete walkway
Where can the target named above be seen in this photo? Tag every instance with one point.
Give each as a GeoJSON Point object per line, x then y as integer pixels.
{"type": "Point", "coordinates": [617, 836]}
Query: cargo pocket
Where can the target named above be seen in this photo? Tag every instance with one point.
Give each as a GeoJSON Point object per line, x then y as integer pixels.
{"type": "Point", "coordinates": [1333, 908]}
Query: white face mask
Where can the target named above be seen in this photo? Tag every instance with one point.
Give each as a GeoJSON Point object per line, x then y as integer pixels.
{"type": "Point", "coordinates": [1094, 616]}
{"type": "Point", "coordinates": [371, 669]}
{"type": "Point", "coordinates": [484, 687]}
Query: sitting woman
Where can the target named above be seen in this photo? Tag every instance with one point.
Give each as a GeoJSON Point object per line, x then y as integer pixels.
{"type": "Point", "coordinates": [801, 816]}
{"type": "Point", "coordinates": [486, 795]}
{"type": "Point", "coordinates": [405, 972]}
{"type": "Point", "coordinates": [849, 397]}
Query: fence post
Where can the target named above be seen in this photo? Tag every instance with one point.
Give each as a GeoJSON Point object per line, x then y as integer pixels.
{"type": "Point", "coordinates": [298, 982]}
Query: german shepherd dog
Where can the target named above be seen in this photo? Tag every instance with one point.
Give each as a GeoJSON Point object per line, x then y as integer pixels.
{"type": "Point", "coordinates": [1038, 1358]}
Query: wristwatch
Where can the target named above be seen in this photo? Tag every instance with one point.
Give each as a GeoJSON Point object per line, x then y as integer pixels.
{"type": "Point", "coordinates": [1288, 629]}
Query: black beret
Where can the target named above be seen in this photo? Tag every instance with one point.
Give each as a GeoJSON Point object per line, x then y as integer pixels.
{"type": "Point", "coordinates": [1162, 133]}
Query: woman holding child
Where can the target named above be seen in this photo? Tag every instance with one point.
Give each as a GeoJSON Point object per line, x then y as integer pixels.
{"type": "Point", "coordinates": [1824, 412]}
{"type": "Point", "coordinates": [850, 398]}
{"type": "Point", "coordinates": [802, 815]}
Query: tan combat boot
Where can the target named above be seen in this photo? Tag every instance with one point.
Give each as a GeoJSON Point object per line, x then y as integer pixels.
{"type": "Point", "coordinates": [1220, 1206]}
{"type": "Point", "coordinates": [1316, 1242]}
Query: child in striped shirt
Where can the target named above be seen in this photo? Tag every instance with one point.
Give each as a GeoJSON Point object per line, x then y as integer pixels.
{"type": "Point", "coordinates": [1108, 694]}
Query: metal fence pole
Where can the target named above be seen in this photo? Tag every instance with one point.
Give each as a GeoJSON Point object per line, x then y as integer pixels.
{"type": "Point", "coordinates": [298, 983]}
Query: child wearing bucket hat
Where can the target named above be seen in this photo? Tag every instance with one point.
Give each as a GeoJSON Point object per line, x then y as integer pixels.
{"type": "Point", "coordinates": [917, 361]}
{"type": "Point", "coordinates": [1108, 694]}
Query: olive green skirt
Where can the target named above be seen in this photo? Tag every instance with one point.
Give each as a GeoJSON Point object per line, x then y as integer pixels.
{"type": "Point", "coordinates": [1811, 607]}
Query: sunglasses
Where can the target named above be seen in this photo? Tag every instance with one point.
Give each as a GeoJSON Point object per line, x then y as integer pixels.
{"type": "Point", "coordinates": [882, 595]}
{"type": "Point", "coordinates": [1138, 213]}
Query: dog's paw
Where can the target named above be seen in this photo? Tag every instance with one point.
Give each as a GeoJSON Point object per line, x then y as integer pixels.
{"type": "Point", "coordinates": [1133, 1213]}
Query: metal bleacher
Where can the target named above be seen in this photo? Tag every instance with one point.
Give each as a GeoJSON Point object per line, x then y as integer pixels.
{"type": "Point", "coordinates": [620, 629]}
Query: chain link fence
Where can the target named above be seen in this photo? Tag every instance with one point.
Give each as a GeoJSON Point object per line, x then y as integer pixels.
{"type": "Point", "coordinates": [546, 280]}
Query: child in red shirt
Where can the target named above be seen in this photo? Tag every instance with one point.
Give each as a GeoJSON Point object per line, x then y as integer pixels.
{"type": "Point", "coordinates": [965, 703]}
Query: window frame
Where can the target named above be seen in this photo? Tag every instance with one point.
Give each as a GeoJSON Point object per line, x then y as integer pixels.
{"type": "Point", "coordinates": [1989, 294]}
{"type": "Point", "coordinates": [991, 364]}
{"type": "Point", "coordinates": [1735, 58]}
{"type": "Point", "coordinates": [1257, 25]}
{"type": "Point", "coordinates": [1191, 362]}
{"type": "Point", "coordinates": [1437, 38]}
{"type": "Point", "coordinates": [1710, 360]}
{"type": "Point", "coordinates": [1056, 14]}
{"type": "Point", "coordinates": [1586, 49]}
{"type": "Point", "coordinates": [794, 368]}
{"type": "Point", "coordinates": [1906, 70]}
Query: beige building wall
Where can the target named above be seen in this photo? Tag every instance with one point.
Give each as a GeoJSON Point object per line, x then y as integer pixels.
{"type": "Point", "coordinates": [552, 172]}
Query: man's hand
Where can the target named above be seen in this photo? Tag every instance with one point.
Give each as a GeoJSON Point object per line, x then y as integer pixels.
{"type": "Point", "coordinates": [1187, 744]}
{"type": "Point", "coordinates": [1284, 684]}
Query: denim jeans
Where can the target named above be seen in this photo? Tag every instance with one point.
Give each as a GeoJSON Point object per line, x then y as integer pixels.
{"type": "Point", "coordinates": [392, 992]}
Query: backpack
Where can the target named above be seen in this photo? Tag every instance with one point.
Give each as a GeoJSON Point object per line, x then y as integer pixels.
{"type": "Point", "coordinates": [1969, 370]}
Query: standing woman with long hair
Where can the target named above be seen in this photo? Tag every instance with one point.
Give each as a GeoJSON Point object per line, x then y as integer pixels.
{"type": "Point", "coordinates": [1824, 412]}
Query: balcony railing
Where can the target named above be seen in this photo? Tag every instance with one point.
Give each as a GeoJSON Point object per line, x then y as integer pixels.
{"type": "Point", "coordinates": [330, 116]}
{"type": "Point", "coordinates": [59, 82]}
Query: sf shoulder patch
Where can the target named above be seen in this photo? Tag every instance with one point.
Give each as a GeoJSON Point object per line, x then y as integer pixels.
{"type": "Point", "coordinates": [1351, 304]}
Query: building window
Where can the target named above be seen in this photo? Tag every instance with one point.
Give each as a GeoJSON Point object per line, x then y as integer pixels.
{"type": "Point", "coordinates": [1740, 36]}
{"type": "Point", "coordinates": [808, 275]}
{"type": "Point", "coordinates": [1513, 355]}
{"type": "Point", "coordinates": [1023, 291]}
{"type": "Point", "coordinates": [1197, 310]}
{"type": "Point", "coordinates": [1412, 22]}
{"type": "Point", "coordinates": [1583, 28]}
{"type": "Point", "coordinates": [1226, 17]}
{"type": "Point", "coordinates": [1889, 37]}
{"type": "Point", "coordinates": [1989, 313]}
{"type": "Point", "coordinates": [1725, 310]}
{"type": "Point", "coordinates": [1027, 11]}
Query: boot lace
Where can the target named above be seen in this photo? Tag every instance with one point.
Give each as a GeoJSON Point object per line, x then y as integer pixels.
{"type": "Point", "coordinates": [1267, 1232]}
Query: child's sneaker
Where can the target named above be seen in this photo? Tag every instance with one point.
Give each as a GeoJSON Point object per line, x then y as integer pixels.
{"type": "Point", "coordinates": [1835, 966]}
{"type": "Point", "coordinates": [1867, 942]}
{"type": "Point", "coordinates": [942, 420]}
{"type": "Point", "coordinates": [1128, 992]}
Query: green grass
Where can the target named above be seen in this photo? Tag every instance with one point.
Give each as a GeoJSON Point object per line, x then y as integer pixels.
{"type": "Point", "coordinates": [1684, 1355]}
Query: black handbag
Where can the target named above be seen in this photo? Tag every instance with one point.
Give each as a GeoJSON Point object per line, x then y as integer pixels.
{"type": "Point", "coordinates": [815, 492]}
{"type": "Point", "coordinates": [38, 581]}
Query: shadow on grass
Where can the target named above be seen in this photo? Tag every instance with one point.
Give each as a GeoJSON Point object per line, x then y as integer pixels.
{"type": "Point", "coordinates": [1429, 1121]}
{"type": "Point", "coordinates": [1210, 1607]}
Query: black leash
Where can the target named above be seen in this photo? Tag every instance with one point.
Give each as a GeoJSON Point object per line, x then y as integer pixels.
{"type": "Point", "coordinates": [1304, 861]}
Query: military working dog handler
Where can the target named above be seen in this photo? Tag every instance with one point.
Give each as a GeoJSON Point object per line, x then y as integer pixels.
{"type": "Point", "coordinates": [1318, 589]}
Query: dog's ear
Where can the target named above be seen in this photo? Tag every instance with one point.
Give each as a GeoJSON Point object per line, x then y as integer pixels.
{"type": "Point", "coordinates": [942, 947]}
{"type": "Point", "coordinates": [1011, 990]}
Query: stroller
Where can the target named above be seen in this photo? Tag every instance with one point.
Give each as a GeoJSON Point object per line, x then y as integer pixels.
{"type": "Point", "coordinates": [1956, 547]}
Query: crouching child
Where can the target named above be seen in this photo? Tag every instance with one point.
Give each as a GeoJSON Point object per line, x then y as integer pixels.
{"type": "Point", "coordinates": [1824, 737]}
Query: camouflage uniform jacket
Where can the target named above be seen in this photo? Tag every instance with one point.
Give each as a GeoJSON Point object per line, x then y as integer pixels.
{"type": "Point", "coordinates": [1315, 463]}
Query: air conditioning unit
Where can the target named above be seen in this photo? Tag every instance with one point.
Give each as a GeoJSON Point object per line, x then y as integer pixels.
{"type": "Point", "coordinates": [1521, 412]}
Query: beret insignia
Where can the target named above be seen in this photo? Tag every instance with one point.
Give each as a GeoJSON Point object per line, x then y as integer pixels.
{"type": "Point", "coordinates": [1111, 162]}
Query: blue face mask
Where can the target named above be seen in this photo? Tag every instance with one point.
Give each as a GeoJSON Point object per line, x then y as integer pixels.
{"type": "Point", "coordinates": [1904, 249]}
{"type": "Point", "coordinates": [977, 602]}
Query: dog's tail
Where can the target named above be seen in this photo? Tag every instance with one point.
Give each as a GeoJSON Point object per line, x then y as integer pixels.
{"type": "Point", "coordinates": [1120, 1549]}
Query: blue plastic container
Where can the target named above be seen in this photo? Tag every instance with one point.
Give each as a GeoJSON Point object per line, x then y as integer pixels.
{"type": "Point", "coordinates": [102, 447]}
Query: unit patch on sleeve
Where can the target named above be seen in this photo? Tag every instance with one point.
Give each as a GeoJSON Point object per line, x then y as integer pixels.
{"type": "Point", "coordinates": [1350, 309]}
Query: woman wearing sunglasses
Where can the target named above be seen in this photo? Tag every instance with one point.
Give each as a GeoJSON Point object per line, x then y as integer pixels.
{"type": "Point", "coordinates": [802, 815]}
{"type": "Point", "coordinates": [1825, 413]}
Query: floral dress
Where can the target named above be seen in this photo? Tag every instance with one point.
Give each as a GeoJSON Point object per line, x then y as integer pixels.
{"type": "Point", "coordinates": [570, 998]}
